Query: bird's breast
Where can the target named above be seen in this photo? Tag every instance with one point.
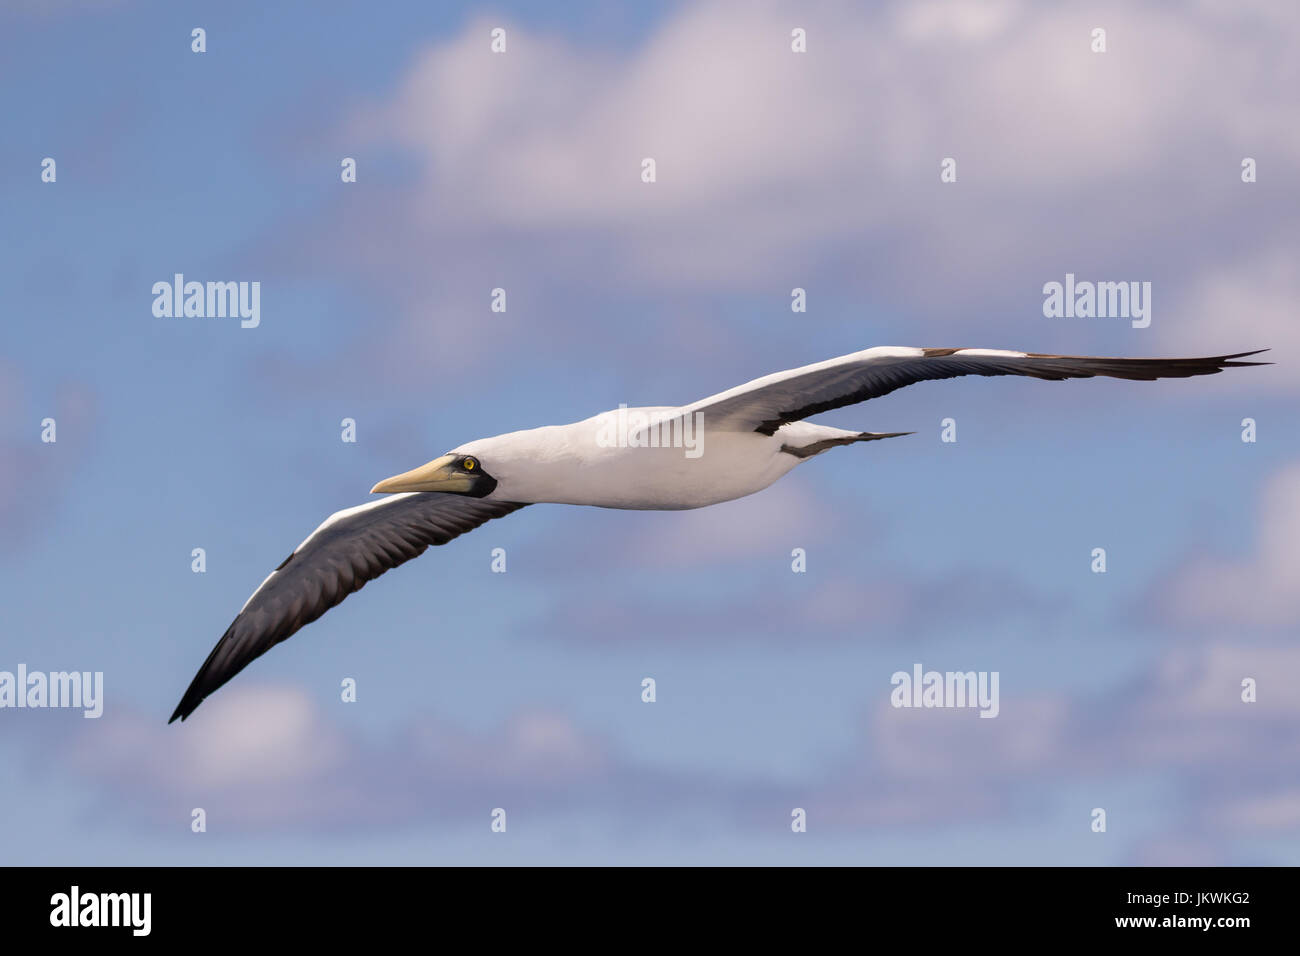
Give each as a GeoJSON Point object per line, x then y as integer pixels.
{"type": "Point", "coordinates": [701, 470]}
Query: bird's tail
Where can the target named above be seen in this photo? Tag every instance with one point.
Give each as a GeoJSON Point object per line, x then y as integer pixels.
{"type": "Point", "coordinates": [846, 438]}
{"type": "Point", "coordinates": [872, 436]}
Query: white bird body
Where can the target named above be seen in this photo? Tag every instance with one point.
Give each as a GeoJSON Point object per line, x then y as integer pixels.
{"type": "Point", "coordinates": [571, 465]}
{"type": "Point", "coordinates": [722, 447]}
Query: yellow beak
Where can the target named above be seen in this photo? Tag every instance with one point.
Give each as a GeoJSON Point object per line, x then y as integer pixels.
{"type": "Point", "coordinates": [441, 474]}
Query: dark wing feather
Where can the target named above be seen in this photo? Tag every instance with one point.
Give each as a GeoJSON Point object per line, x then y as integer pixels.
{"type": "Point", "coordinates": [767, 403]}
{"type": "Point", "coordinates": [347, 550]}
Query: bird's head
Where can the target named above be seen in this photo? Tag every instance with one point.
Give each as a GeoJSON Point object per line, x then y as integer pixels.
{"type": "Point", "coordinates": [458, 472]}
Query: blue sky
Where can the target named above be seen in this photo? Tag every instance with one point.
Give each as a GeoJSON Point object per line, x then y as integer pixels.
{"type": "Point", "coordinates": [775, 170]}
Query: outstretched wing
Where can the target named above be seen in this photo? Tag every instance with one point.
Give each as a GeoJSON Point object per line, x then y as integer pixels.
{"type": "Point", "coordinates": [767, 403]}
{"type": "Point", "coordinates": [350, 548]}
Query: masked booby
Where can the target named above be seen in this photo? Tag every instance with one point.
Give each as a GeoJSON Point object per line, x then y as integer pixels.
{"type": "Point", "coordinates": [722, 447]}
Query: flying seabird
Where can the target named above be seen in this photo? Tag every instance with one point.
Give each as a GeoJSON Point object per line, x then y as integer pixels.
{"type": "Point", "coordinates": [722, 447]}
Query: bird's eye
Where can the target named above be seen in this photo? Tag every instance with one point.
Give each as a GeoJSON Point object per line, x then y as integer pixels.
{"type": "Point", "coordinates": [469, 464]}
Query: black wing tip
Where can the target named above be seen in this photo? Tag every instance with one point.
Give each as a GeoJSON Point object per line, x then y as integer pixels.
{"type": "Point", "coordinates": [200, 687]}
{"type": "Point", "coordinates": [192, 697]}
{"type": "Point", "coordinates": [211, 678]}
{"type": "Point", "coordinates": [1166, 367]}
{"type": "Point", "coordinates": [186, 707]}
{"type": "Point", "coordinates": [1226, 360]}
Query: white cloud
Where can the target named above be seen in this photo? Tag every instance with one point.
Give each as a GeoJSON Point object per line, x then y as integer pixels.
{"type": "Point", "coordinates": [264, 755]}
{"type": "Point", "coordinates": [1279, 811]}
{"type": "Point", "coordinates": [944, 744]}
{"type": "Point", "coordinates": [764, 154]}
{"type": "Point", "coordinates": [1206, 681]}
{"type": "Point", "coordinates": [1247, 303]}
{"type": "Point", "coordinates": [1236, 761]}
{"type": "Point", "coordinates": [1257, 592]}
{"type": "Point", "coordinates": [821, 170]}
{"type": "Point", "coordinates": [251, 735]}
